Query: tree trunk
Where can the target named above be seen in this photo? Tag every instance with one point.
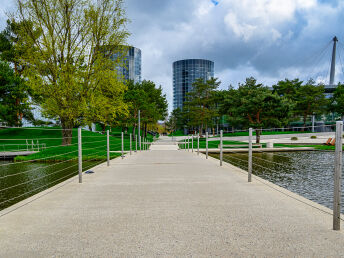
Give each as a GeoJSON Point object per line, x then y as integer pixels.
{"type": "Point", "coordinates": [134, 133]}
{"type": "Point", "coordinates": [258, 133]}
{"type": "Point", "coordinates": [67, 132]}
{"type": "Point", "coordinates": [104, 127]}
{"type": "Point", "coordinates": [304, 123]}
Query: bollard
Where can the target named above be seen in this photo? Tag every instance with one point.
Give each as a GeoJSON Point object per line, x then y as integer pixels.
{"type": "Point", "coordinates": [135, 143]}
{"type": "Point", "coordinates": [122, 146]}
{"type": "Point", "coordinates": [221, 148]}
{"type": "Point", "coordinates": [250, 155]}
{"type": "Point", "coordinates": [192, 142]}
{"type": "Point", "coordinates": [108, 147]}
{"type": "Point", "coordinates": [79, 155]}
{"type": "Point", "coordinates": [130, 144]}
{"type": "Point", "coordinates": [206, 145]}
{"type": "Point", "coordinates": [337, 175]}
{"type": "Point", "coordinates": [198, 144]}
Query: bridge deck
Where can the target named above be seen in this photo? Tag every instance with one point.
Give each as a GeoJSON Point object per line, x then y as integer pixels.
{"type": "Point", "coordinates": [166, 202]}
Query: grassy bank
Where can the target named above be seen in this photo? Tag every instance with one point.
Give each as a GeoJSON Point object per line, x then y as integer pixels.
{"type": "Point", "coordinates": [211, 144]}
{"type": "Point", "coordinates": [93, 144]}
{"type": "Point", "coordinates": [180, 133]}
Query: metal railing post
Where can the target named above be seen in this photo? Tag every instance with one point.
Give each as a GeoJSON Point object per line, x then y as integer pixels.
{"type": "Point", "coordinates": [250, 155]}
{"type": "Point", "coordinates": [130, 144]}
{"type": "Point", "coordinates": [108, 147]}
{"type": "Point", "coordinates": [140, 142]}
{"type": "Point", "coordinates": [79, 155]}
{"type": "Point", "coordinates": [206, 145]}
{"type": "Point", "coordinates": [221, 147]}
{"type": "Point", "coordinates": [192, 138]}
{"type": "Point", "coordinates": [122, 145]}
{"type": "Point", "coordinates": [188, 142]}
{"type": "Point", "coordinates": [185, 143]}
{"type": "Point", "coordinates": [337, 175]}
{"type": "Point", "coordinates": [139, 129]}
{"type": "Point", "coordinates": [136, 144]}
{"type": "Point", "coordinates": [198, 144]}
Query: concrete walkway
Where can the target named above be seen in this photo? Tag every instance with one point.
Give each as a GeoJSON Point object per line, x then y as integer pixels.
{"type": "Point", "coordinates": [168, 203]}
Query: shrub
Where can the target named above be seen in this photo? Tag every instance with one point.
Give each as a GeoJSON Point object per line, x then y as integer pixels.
{"type": "Point", "coordinates": [294, 138]}
{"type": "Point", "coordinates": [313, 137]}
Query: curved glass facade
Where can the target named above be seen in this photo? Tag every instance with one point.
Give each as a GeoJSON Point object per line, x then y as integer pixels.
{"type": "Point", "coordinates": [132, 65]}
{"type": "Point", "coordinates": [185, 72]}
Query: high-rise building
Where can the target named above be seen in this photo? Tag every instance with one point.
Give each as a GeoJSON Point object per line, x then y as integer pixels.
{"type": "Point", "coordinates": [132, 65]}
{"type": "Point", "coordinates": [185, 72]}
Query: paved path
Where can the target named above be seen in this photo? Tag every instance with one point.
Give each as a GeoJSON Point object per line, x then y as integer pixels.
{"type": "Point", "coordinates": [168, 203]}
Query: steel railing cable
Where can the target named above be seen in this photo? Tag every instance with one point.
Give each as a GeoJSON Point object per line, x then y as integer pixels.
{"type": "Point", "coordinates": [18, 196]}
{"type": "Point", "coordinates": [48, 157]}
{"type": "Point", "coordinates": [263, 181]}
{"type": "Point", "coordinates": [10, 187]}
{"type": "Point", "coordinates": [42, 158]}
{"type": "Point", "coordinates": [30, 170]}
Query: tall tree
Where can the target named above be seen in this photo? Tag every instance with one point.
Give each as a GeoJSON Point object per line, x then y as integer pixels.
{"type": "Point", "coordinates": [336, 102]}
{"type": "Point", "coordinates": [310, 99]}
{"type": "Point", "coordinates": [288, 88]}
{"type": "Point", "coordinates": [201, 103]}
{"type": "Point", "coordinates": [147, 98]}
{"type": "Point", "coordinates": [67, 65]}
{"type": "Point", "coordinates": [13, 97]}
{"type": "Point", "coordinates": [256, 106]}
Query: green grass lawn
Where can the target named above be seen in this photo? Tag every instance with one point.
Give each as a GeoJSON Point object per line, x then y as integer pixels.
{"type": "Point", "coordinates": [211, 144]}
{"type": "Point", "coordinates": [263, 133]}
{"type": "Point", "coordinates": [318, 147]}
{"type": "Point", "coordinates": [215, 144]}
{"type": "Point", "coordinates": [180, 133]}
{"type": "Point", "coordinates": [93, 144]}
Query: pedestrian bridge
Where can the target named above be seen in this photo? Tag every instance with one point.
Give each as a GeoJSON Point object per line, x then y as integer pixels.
{"type": "Point", "coordinates": [166, 202]}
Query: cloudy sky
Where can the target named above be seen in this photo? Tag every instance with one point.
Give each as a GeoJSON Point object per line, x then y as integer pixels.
{"type": "Point", "coordinates": [267, 39]}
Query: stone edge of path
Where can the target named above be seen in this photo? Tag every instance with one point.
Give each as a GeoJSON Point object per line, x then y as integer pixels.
{"type": "Point", "coordinates": [281, 190]}
{"type": "Point", "coordinates": [49, 190]}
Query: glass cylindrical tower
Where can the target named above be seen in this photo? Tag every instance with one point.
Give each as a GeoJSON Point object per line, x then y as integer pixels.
{"type": "Point", "coordinates": [185, 72]}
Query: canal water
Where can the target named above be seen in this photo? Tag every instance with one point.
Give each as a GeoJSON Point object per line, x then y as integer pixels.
{"type": "Point", "coordinates": [309, 173]}
{"type": "Point", "coordinates": [21, 180]}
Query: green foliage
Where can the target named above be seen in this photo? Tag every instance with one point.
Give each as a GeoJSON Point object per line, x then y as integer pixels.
{"type": "Point", "coordinates": [67, 65]}
{"type": "Point", "coordinates": [147, 98]}
{"type": "Point", "coordinates": [13, 97]}
{"type": "Point", "coordinates": [294, 138]}
{"type": "Point", "coordinates": [313, 137]}
{"type": "Point", "coordinates": [310, 99]}
{"type": "Point", "coordinates": [336, 102]}
{"type": "Point", "coordinates": [288, 88]}
{"type": "Point", "coordinates": [93, 144]}
{"type": "Point", "coordinates": [201, 108]}
{"type": "Point", "coordinates": [254, 105]}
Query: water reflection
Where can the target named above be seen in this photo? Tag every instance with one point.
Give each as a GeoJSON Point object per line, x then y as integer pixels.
{"type": "Point", "coordinates": [18, 181]}
{"type": "Point", "coordinates": [309, 174]}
